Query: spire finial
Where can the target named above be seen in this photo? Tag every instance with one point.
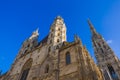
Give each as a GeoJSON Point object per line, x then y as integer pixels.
{"type": "Point", "coordinates": [77, 39]}
{"type": "Point", "coordinates": [58, 20]}
{"type": "Point", "coordinates": [35, 33]}
{"type": "Point", "coordinates": [91, 27]}
{"type": "Point", "coordinates": [59, 17]}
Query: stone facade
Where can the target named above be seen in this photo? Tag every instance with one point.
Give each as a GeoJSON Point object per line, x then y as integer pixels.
{"type": "Point", "coordinates": [53, 58]}
{"type": "Point", "coordinates": [106, 59]}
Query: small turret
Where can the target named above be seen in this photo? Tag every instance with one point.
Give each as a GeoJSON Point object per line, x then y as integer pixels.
{"type": "Point", "coordinates": [29, 44]}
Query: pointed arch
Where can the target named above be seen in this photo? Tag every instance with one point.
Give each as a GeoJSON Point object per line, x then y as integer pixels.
{"type": "Point", "coordinates": [112, 72]}
{"type": "Point", "coordinates": [47, 68]}
{"type": "Point", "coordinates": [68, 58]}
{"type": "Point", "coordinates": [26, 69]}
{"type": "Point", "coordinates": [106, 75]}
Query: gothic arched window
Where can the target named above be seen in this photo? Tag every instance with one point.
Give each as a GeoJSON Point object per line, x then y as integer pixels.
{"type": "Point", "coordinates": [58, 40]}
{"type": "Point", "coordinates": [68, 58]}
{"type": "Point", "coordinates": [112, 72]}
{"type": "Point", "coordinates": [106, 75]}
{"type": "Point", "coordinates": [47, 69]}
{"type": "Point", "coordinates": [25, 69]}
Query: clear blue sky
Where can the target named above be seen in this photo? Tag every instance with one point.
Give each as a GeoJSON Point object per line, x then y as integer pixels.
{"type": "Point", "coordinates": [19, 18]}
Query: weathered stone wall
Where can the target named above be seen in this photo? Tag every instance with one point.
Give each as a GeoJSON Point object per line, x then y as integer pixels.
{"type": "Point", "coordinates": [71, 76]}
{"type": "Point", "coordinates": [70, 68]}
{"type": "Point", "coordinates": [82, 68]}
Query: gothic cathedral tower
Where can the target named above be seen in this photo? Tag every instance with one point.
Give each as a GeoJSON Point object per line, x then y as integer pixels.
{"type": "Point", "coordinates": [57, 34]}
{"type": "Point", "coordinates": [106, 59]}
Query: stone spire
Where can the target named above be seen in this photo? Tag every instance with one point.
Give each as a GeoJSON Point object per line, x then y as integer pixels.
{"type": "Point", "coordinates": [77, 39]}
{"type": "Point", "coordinates": [92, 27]}
{"type": "Point", "coordinates": [106, 59]}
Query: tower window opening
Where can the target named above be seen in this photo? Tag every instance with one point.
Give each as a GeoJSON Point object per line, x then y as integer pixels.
{"type": "Point", "coordinates": [58, 29]}
{"type": "Point", "coordinates": [52, 30]}
{"type": "Point", "coordinates": [58, 40]}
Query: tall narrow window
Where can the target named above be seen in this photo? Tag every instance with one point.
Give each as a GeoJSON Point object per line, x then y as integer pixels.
{"type": "Point", "coordinates": [58, 40]}
{"type": "Point", "coordinates": [112, 72]}
{"type": "Point", "coordinates": [106, 75]}
{"type": "Point", "coordinates": [49, 49]}
{"type": "Point", "coordinates": [26, 69]}
{"type": "Point", "coordinates": [47, 69]}
{"type": "Point", "coordinates": [68, 58]}
{"type": "Point", "coordinates": [24, 74]}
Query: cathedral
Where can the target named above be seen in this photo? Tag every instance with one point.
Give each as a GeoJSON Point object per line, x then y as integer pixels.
{"type": "Point", "coordinates": [54, 58]}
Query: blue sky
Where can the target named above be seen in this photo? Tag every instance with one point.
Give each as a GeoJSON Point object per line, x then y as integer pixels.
{"type": "Point", "coordinates": [19, 18]}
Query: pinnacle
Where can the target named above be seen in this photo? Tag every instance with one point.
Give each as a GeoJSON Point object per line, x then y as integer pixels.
{"type": "Point", "coordinates": [59, 17]}
{"type": "Point", "coordinates": [77, 38]}
{"type": "Point", "coordinates": [35, 33]}
{"type": "Point", "coordinates": [91, 26]}
{"type": "Point", "coordinates": [90, 23]}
